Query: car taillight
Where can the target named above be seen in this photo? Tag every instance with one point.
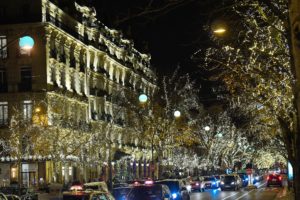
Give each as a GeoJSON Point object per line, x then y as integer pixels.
{"type": "Point", "coordinates": [280, 178]}
{"type": "Point", "coordinates": [268, 178]}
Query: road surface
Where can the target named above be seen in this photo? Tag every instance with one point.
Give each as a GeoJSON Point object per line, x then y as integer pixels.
{"type": "Point", "coordinates": [261, 193]}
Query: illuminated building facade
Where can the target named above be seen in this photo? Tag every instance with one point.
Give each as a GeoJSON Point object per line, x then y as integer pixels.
{"type": "Point", "coordinates": [67, 83]}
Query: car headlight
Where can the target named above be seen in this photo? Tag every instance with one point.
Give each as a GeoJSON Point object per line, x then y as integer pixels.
{"type": "Point", "coordinates": [256, 178]}
{"type": "Point", "coordinates": [232, 183]}
{"type": "Point", "coordinates": [222, 183]}
{"type": "Point", "coordinates": [174, 195]}
{"type": "Point", "coordinates": [197, 184]}
{"type": "Point", "coordinates": [188, 187]}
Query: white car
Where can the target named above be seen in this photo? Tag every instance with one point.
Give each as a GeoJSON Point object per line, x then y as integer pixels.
{"type": "Point", "coordinates": [210, 182]}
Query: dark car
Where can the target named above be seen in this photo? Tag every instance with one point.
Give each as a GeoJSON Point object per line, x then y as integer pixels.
{"type": "Point", "coordinates": [230, 182]}
{"type": "Point", "coordinates": [121, 193]}
{"type": "Point", "coordinates": [244, 178]}
{"type": "Point", "coordinates": [274, 179]}
{"type": "Point", "coordinates": [177, 188]}
{"type": "Point", "coordinates": [146, 192]}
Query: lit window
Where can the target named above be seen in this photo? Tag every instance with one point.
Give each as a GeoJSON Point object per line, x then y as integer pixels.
{"type": "Point", "coordinates": [3, 113]}
{"type": "Point", "coordinates": [3, 46]}
{"type": "Point", "coordinates": [63, 171]}
{"type": "Point", "coordinates": [70, 171]}
{"type": "Point", "coordinates": [27, 110]}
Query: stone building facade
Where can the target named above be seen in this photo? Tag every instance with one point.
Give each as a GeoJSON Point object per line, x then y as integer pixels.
{"type": "Point", "coordinates": [67, 85]}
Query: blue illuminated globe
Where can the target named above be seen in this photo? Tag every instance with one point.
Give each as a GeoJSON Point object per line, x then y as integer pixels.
{"type": "Point", "coordinates": [143, 98]}
{"type": "Point", "coordinates": [26, 42]}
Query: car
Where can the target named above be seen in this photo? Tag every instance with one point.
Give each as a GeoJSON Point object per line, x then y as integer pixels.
{"type": "Point", "coordinates": [230, 182]}
{"type": "Point", "coordinates": [210, 182]}
{"type": "Point", "coordinates": [120, 193]}
{"type": "Point", "coordinates": [87, 195]}
{"type": "Point", "coordinates": [244, 179]}
{"type": "Point", "coordinates": [257, 178]}
{"type": "Point", "coordinates": [274, 179]}
{"type": "Point", "coordinates": [218, 177]}
{"type": "Point", "coordinates": [187, 183]}
{"type": "Point", "coordinates": [96, 186]}
{"type": "Point", "coordinates": [177, 188]}
{"type": "Point", "coordinates": [197, 184]}
{"type": "Point", "coordinates": [145, 191]}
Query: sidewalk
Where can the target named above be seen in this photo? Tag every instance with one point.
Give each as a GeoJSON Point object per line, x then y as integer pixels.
{"type": "Point", "coordinates": [285, 194]}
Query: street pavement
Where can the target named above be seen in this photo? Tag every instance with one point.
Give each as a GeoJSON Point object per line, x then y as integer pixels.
{"type": "Point", "coordinates": [261, 193]}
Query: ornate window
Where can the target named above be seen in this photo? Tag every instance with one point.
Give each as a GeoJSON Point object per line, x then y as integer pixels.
{"type": "Point", "coordinates": [27, 110]}
{"type": "Point", "coordinates": [3, 46]}
{"type": "Point", "coordinates": [3, 113]}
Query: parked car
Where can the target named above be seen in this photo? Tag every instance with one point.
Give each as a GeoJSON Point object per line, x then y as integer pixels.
{"type": "Point", "coordinates": [120, 193]}
{"type": "Point", "coordinates": [145, 191]}
{"type": "Point", "coordinates": [274, 179]}
{"type": "Point", "coordinates": [210, 182]}
{"type": "Point", "coordinates": [177, 188]}
{"type": "Point", "coordinates": [230, 182]}
{"type": "Point", "coordinates": [197, 184]}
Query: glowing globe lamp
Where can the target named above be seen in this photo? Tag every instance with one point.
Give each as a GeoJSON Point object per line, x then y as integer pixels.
{"type": "Point", "coordinates": [207, 128]}
{"type": "Point", "coordinates": [26, 42]}
{"type": "Point", "coordinates": [143, 98]}
{"type": "Point", "coordinates": [177, 113]}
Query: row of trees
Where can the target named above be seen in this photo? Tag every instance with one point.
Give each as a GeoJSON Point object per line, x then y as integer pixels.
{"type": "Point", "coordinates": [258, 63]}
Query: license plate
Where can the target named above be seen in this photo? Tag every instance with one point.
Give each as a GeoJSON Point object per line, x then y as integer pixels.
{"type": "Point", "coordinates": [274, 179]}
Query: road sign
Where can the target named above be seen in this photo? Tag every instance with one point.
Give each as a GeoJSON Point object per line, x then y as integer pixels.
{"type": "Point", "coordinates": [249, 171]}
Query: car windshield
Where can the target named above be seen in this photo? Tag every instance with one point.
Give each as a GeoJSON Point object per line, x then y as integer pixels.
{"type": "Point", "coordinates": [145, 193]}
{"type": "Point", "coordinates": [228, 178]}
{"type": "Point", "coordinates": [209, 179]}
{"type": "Point", "coordinates": [173, 185]}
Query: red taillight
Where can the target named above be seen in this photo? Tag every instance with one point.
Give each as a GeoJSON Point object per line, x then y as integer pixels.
{"type": "Point", "coordinates": [268, 178]}
{"type": "Point", "coordinates": [280, 178]}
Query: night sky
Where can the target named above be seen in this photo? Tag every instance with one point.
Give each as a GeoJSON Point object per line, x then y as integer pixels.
{"type": "Point", "coordinates": [171, 36]}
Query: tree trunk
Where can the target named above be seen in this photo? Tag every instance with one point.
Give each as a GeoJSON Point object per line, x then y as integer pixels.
{"type": "Point", "coordinates": [294, 20]}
